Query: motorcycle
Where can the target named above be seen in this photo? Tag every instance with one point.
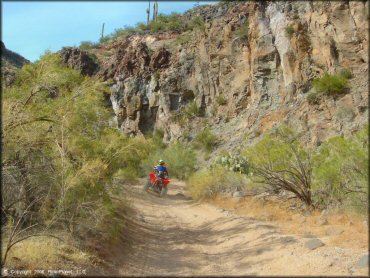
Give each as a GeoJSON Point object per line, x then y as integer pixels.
{"type": "Point", "coordinates": [157, 184]}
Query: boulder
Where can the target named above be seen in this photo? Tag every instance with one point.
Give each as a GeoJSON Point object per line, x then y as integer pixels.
{"type": "Point", "coordinates": [313, 244]}
{"type": "Point", "coordinates": [363, 262]}
{"type": "Point", "coordinates": [322, 222]}
{"type": "Point", "coordinates": [334, 231]}
{"type": "Point", "coordinates": [237, 194]}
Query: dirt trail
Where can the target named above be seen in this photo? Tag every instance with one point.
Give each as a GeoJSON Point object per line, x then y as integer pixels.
{"type": "Point", "coordinates": [179, 237]}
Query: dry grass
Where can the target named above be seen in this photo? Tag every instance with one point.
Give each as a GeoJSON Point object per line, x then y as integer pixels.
{"type": "Point", "coordinates": [46, 253]}
{"type": "Point", "coordinates": [355, 233]}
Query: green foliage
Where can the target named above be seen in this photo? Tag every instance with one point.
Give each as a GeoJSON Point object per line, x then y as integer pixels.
{"type": "Point", "coordinates": [313, 98]}
{"type": "Point", "coordinates": [192, 109]}
{"type": "Point", "coordinates": [205, 140]}
{"type": "Point", "coordinates": [87, 45]}
{"type": "Point", "coordinates": [208, 183]}
{"type": "Point", "coordinates": [346, 73]}
{"type": "Point", "coordinates": [242, 32]}
{"type": "Point", "coordinates": [171, 22]}
{"type": "Point", "coordinates": [183, 38]}
{"type": "Point", "coordinates": [179, 117]}
{"type": "Point", "coordinates": [57, 143]}
{"type": "Point", "coordinates": [198, 23]}
{"type": "Point", "coordinates": [331, 84]}
{"type": "Point", "coordinates": [104, 39]}
{"type": "Point", "coordinates": [289, 30]}
{"type": "Point", "coordinates": [180, 160]}
{"type": "Point", "coordinates": [156, 75]}
{"type": "Point", "coordinates": [341, 173]}
{"type": "Point", "coordinates": [127, 175]}
{"type": "Point", "coordinates": [221, 100]}
{"type": "Point", "coordinates": [234, 163]}
{"type": "Point", "coordinates": [280, 161]}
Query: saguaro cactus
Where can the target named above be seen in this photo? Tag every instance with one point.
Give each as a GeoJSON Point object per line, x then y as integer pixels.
{"type": "Point", "coordinates": [148, 12]}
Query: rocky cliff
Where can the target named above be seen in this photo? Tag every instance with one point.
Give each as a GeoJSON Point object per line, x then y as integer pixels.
{"type": "Point", "coordinates": [10, 62]}
{"type": "Point", "coordinates": [249, 69]}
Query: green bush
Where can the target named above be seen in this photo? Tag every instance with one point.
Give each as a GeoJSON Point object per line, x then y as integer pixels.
{"type": "Point", "coordinates": [205, 140]}
{"type": "Point", "coordinates": [208, 183]}
{"type": "Point", "coordinates": [340, 173]}
{"type": "Point", "coordinates": [289, 30]}
{"type": "Point", "coordinates": [87, 45]}
{"type": "Point", "coordinates": [127, 175]}
{"type": "Point", "coordinates": [198, 23]}
{"type": "Point", "coordinates": [346, 73]}
{"type": "Point", "coordinates": [183, 39]}
{"type": "Point", "coordinates": [281, 162]}
{"type": "Point", "coordinates": [331, 84]}
{"type": "Point", "coordinates": [192, 109]}
{"type": "Point", "coordinates": [60, 148]}
{"type": "Point", "coordinates": [242, 32]}
{"type": "Point", "coordinates": [221, 100]}
{"type": "Point", "coordinates": [313, 98]}
{"type": "Point", "coordinates": [180, 160]}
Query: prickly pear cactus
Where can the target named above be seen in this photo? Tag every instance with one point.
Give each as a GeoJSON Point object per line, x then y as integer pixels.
{"type": "Point", "coordinates": [232, 162]}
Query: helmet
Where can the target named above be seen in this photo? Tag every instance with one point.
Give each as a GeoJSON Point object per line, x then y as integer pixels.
{"type": "Point", "coordinates": [161, 162]}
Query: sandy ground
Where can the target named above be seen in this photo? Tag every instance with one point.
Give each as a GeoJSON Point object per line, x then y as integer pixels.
{"type": "Point", "coordinates": [179, 237]}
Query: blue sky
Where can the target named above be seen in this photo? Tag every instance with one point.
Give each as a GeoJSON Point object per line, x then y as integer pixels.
{"type": "Point", "coordinates": [31, 28]}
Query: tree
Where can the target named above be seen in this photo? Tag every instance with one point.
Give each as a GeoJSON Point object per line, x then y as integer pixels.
{"type": "Point", "coordinates": [280, 161]}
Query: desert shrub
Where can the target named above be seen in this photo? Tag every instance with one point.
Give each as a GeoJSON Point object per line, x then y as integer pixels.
{"type": "Point", "coordinates": [105, 39]}
{"type": "Point", "coordinates": [179, 117]}
{"type": "Point", "coordinates": [209, 182]}
{"type": "Point", "coordinates": [242, 32]}
{"type": "Point", "coordinates": [205, 140]}
{"type": "Point", "coordinates": [289, 31]}
{"type": "Point", "coordinates": [279, 161]}
{"type": "Point", "coordinates": [125, 32]}
{"type": "Point", "coordinates": [313, 98]}
{"type": "Point", "coordinates": [59, 153]}
{"type": "Point", "coordinates": [340, 173]}
{"type": "Point", "coordinates": [221, 100]}
{"type": "Point", "coordinates": [346, 73]}
{"type": "Point", "coordinates": [87, 45]}
{"type": "Point", "coordinates": [234, 163]}
{"type": "Point", "coordinates": [331, 84]}
{"type": "Point", "coordinates": [141, 26]}
{"type": "Point", "coordinates": [127, 175]}
{"type": "Point", "coordinates": [191, 109]}
{"type": "Point", "coordinates": [180, 160]}
{"type": "Point", "coordinates": [183, 38]}
{"type": "Point", "coordinates": [197, 23]}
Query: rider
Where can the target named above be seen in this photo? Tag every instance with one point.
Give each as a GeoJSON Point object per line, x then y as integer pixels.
{"type": "Point", "coordinates": [161, 170]}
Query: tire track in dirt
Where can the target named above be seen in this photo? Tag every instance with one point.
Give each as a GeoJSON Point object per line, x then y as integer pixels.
{"type": "Point", "coordinates": [177, 236]}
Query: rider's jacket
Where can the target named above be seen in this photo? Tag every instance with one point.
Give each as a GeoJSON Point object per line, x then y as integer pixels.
{"type": "Point", "coordinates": [162, 171]}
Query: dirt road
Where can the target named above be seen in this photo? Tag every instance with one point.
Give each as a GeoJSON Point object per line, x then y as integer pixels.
{"type": "Point", "coordinates": [179, 237]}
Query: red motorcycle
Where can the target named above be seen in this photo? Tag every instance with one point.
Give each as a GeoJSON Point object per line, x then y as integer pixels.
{"type": "Point", "coordinates": [157, 184]}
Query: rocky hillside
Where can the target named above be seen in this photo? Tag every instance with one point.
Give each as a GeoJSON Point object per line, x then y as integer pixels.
{"type": "Point", "coordinates": [249, 67]}
{"type": "Point", "coordinates": [10, 62]}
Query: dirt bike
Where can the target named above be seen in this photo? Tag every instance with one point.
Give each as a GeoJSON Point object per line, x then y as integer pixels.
{"type": "Point", "coordinates": [157, 184]}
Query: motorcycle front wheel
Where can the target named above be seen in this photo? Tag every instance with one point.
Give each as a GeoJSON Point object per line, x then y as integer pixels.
{"type": "Point", "coordinates": [163, 192]}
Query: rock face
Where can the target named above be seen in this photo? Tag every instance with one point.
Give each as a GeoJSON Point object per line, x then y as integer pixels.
{"type": "Point", "coordinates": [79, 60]}
{"type": "Point", "coordinates": [10, 63]}
{"type": "Point", "coordinates": [263, 72]}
